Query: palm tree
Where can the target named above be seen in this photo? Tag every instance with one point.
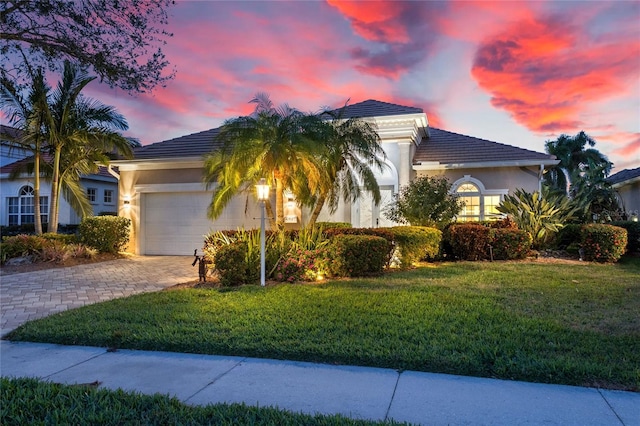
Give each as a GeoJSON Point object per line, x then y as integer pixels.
{"type": "Point", "coordinates": [351, 148]}
{"type": "Point", "coordinates": [25, 114]}
{"type": "Point", "coordinates": [278, 144]}
{"type": "Point", "coordinates": [79, 131]}
{"type": "Point", "coordinates": [577, 163]}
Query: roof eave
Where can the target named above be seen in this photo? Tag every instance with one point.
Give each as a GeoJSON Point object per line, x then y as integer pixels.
{"type": "Point", "coordinates": [159, 163]}
{"type": "Point", "coordinates": [434, 165]}
{"type": "Point", "coordinates": [626, 182]}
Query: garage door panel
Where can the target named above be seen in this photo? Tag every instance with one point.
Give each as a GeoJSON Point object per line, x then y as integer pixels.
{"type": "Point", "coordinates": [175, 223]}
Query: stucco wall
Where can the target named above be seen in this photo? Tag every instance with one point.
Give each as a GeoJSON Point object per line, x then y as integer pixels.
{"type": "Point", "coordinates": [510, 178]}
{"type": "Point", "coordinates": [630, 195]}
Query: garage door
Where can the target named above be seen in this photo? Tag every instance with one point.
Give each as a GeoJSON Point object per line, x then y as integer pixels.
{"type": "Point", "coordinates": [174, 223]}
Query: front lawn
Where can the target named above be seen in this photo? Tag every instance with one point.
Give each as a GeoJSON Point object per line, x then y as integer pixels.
{"type": "Point", "coordinates": [574, 323]}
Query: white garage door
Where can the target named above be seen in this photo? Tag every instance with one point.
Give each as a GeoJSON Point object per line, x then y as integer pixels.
{"type": "Point", "coordinates": [174, 223]}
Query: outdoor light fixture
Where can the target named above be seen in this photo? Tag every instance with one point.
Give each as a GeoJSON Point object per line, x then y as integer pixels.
{"type": "Point", "coordinates": [263, 195]}
{"type": "Point", "coordinates": [126, 202]}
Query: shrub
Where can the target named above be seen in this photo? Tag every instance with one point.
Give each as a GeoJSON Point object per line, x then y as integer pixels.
{"type": "Point", "coordinates": [300, 265]}
{"type": "Point", "coordinates": [358, 255]}
{"type": "Point", "coordinates": [20, 245]}
{"type": "Point", "coordinates": [540, 214]}
{"type": "Point", "coordinates": [63, 238]}
{"type": "Point", "coordinates": [415, 242]}
{"type": "Point", "coordinates": [508, 244]}
{"type": "Point", "coordinates": [633, 234]}
{"type": "Point", "coordinates": [377, 232]}
{"type": "Point", "coordinates": [230, 263]}
{"type": "Point", "coordinates": [569, 235]}
{"type": "Point", "coordinates": [467, 241]}
{"type": "Point", "coordinates": [327, 225]}
{"type": "Point", "coordinates": [107, 234]}
{"type": "Point", "coordinates": [426, 201]}
{"type": "Point", "coordinates": [603, 243]}
{"type": "Point", "coordinates": [54, 251]}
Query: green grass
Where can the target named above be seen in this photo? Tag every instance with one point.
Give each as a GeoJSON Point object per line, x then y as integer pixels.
{"type": "Point", "coordinates": [572, 324]}
{"type": "Point", "coordinates": [32, 402]}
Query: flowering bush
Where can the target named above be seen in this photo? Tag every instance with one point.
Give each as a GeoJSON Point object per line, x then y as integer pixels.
{"type": "Point", "coordinates": [633, 234]}
{"type": "Point", "coordinates": [301, 265]}
{"type": "Point", "coordinates": [603, 243]}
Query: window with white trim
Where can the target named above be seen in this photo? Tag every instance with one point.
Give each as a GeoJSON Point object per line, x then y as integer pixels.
{"type": "Point", "coordinates": [480, 203]}
{"type": "Point", "coordinates": [108, 196]}
{"type": "Point", "coordinates": [91, 194]}
{"type": "Point", "coordinates": [20, 209]}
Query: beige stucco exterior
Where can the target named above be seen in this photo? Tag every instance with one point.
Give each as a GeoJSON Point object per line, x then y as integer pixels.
{"type": "Point", "coordinates": [153, 184]}
{"type": "Point", "coordinates": [629, 193]}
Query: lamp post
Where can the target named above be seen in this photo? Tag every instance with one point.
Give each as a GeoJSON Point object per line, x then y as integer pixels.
{"type": "Point", "coordinates": [263, 195]}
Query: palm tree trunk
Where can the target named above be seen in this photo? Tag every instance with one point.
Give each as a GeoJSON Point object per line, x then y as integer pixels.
{"type": "Point", "coordinates": [270, 216]}
{"type": "Point", "coordinates": [36, 194]}
{"type": "Point", "coordinates": [55, 191]}
{"type": "Point", "coordinates": [316, 210]}
{"type": "Point", "coordinates": [279, 203]}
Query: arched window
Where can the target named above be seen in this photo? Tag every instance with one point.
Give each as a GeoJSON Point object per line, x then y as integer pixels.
{"type": "Point", "coordinates": [21, 208]}
{"type": "Point", "coordinates": [480, 203]}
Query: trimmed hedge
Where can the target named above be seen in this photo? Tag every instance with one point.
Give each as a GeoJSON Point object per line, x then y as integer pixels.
{"type": "Point", "coordinates": [328, 225]}
{"type": "Point", "coordinates": [414, 243]}
{"type": "Point", "coordinates": [358, 255]}
{"type": "Point", "coordinates": [569, 235]}
{"type": "Point", "coordinates": [497, 240]}
{"type": "Point", "coordinates": [376, 232]}
{"type": "Point", "coordinates": [231, 263]}
{"type": "Point", "coordinates": [509, 244]}
{"type": "Point", "coordinates": [107, 234]}
{"type": "Point", "coordinates": [603, 243]}
{"type": "Point", "coordinates": [633, 234]}
{"type": "Point", "coordinates": [467, 241]}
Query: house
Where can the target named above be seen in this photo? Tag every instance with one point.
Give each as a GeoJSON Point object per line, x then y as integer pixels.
{"type": "Point", "coordinates": [17, 195]}
{"type": "Point", "coordinates": [162, 190]}
{"type": "Point", "coordinates": [627, 185]}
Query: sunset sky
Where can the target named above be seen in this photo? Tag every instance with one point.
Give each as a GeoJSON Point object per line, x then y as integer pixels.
{"type": "Point", "coordinates": [513, 72]}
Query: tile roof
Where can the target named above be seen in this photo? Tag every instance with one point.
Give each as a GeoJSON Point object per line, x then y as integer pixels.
{"type": "Point", "coordinates": [624, 175]}
{"type": "Point", "coordinates": [373, 108]}
{"type": "Point", "coordinates": [193, 145]}
{"type": "Point", "coordinates": [11, 132]}
{"type": "Point", "coordinates": [452, 148]}
{"type": "Point", "coordinates": [9, 168]}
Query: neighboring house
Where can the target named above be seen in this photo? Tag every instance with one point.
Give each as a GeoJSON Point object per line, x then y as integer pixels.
{"type": "Point", "coordinates": [627, 186]}
{"type": "Point", "coordinates": [16, 196]}
{"type": "Point", "coordinates": [162, 191]}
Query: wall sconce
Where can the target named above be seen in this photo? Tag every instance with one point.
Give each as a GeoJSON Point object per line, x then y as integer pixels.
{"type": "Point", "coordinates": [126, 202]}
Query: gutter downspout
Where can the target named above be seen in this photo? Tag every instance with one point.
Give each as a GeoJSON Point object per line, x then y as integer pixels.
{"type": "Point", "coordinates": [540, 176]}
{"type": "Point", "coordinates": [113, 173]}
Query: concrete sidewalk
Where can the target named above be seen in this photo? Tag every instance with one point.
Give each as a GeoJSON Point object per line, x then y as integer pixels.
{"type": "Point", "coordinates": [356, 392]}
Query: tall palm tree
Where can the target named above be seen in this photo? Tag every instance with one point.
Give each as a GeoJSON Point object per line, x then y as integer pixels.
{"type": "Point", "coordinates": [25, 114]}
{"type": "Point", "coordinates": [350, 150]}
{"type": "Point", "coordinates": [79, 130]}
{"type": "Point", "coordinates": [577, 163]}
{"type": "Point", "coordinates": [278, 144]}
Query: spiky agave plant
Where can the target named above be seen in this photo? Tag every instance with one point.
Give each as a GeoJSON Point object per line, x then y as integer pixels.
{"type": "Point", "coordinates": [542, 214]}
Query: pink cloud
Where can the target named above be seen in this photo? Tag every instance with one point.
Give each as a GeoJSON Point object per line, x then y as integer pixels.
{"type": "Point", "coordinates": [546, 72]}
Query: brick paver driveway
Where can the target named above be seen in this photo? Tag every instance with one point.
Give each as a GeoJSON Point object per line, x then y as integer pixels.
{"type": "Point", "coordinates": [32, 295]}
